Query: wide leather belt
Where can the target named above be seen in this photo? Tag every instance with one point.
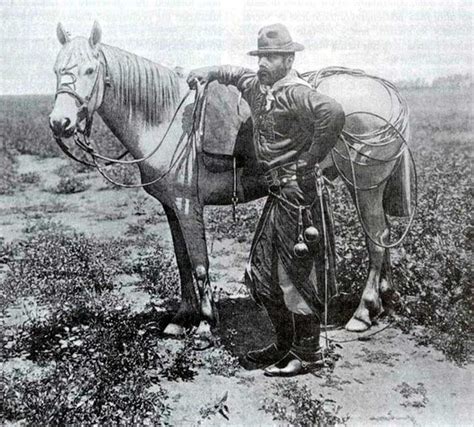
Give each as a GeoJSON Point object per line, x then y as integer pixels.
{"type": "Point", "coordinates": [279, 177]}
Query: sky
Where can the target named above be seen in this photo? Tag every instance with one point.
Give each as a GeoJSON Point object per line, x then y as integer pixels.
{"type": "Point", "coordinates": [395, 39]}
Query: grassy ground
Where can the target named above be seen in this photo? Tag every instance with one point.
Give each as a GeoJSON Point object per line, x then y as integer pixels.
{"type": "Point", "coordinates": [89, 280]}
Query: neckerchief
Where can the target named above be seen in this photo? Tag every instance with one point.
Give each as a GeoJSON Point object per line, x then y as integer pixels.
{"type": "Point", "coordinates": [292, 78]}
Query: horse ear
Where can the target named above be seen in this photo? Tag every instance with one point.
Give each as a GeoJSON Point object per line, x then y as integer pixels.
{"type": "Point", "coordinates": [63, 36]}
{"type": "Point", "coordinates": [96, 34]}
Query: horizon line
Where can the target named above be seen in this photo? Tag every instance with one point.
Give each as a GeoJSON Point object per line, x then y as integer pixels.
{"type": "Point", "coordinates": [425, 83]}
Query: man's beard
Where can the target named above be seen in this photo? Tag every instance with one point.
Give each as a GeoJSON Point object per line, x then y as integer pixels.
{"type": "Point", "coordinates": [268, 78]}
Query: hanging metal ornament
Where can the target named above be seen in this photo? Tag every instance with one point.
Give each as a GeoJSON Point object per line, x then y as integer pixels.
{"type": "Point", "coordinates": [311, 234]}
{"type": "Point", "coordinates": [301, 248]}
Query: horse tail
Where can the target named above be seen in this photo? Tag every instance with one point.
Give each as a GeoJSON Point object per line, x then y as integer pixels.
{"type": "Point", "coordinates": [397, 193]}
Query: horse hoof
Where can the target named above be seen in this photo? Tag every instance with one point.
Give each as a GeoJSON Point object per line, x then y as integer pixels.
{"type": "Point", "coordinates": [204, 329]}
{"type": "Point", "coordinates": [203, 338]}
{"type": "Point", "coordinates": [174, 330]}
{"type": "Point", "coordinates": [390, 299]}
{"type": "Point", "coordinates": [357, 325]}
{"type": "Point", "coordinates": [202, 343]}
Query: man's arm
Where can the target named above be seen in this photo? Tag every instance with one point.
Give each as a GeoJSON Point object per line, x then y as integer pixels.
{"type": "Point", "coordinates": [225, 74]}
{"type": "Point", "coordinates": [327, 116]}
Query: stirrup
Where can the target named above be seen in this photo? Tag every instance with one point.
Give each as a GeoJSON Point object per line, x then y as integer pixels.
{"type": "Point", "coordinates": [267, 355]}
{"type": "Point", "coordinates": [292, 365]}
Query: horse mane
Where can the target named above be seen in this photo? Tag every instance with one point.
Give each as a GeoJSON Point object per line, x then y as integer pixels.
{"type": "Point", "coordinates": [148, 89]}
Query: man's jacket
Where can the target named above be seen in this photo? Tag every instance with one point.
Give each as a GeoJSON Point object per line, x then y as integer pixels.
{"type": "Point", "coordinates": [292, 121]}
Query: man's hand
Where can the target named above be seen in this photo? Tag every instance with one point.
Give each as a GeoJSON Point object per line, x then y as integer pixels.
{"type": "Point", "coordinates": [306, 161]}
{"type": "Point", "coordinates": [201, 76]}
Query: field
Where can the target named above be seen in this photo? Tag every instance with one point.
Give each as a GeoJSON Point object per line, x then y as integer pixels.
{"type": "Point", "coordinates": [89, 280]}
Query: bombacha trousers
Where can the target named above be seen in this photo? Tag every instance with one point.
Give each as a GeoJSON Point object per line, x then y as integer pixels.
{"type": "Point", "coordinates": [274, 273]}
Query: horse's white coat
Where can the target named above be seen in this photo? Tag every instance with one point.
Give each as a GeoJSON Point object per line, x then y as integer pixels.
{"type": "Point", "coordinates": [151, 136]}
{"type": "Point", "coordinates": [183, 204]}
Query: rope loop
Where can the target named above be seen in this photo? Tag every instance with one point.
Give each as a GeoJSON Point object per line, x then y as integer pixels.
{"type": "Point", "coordinates": [389, 133]}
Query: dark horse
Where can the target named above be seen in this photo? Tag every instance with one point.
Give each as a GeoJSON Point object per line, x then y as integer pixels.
{"type": "Point", "coordinates": [138, 100]}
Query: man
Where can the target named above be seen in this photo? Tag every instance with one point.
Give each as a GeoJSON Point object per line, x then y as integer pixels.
{"type": "Point", "coordinates": [295, 128]}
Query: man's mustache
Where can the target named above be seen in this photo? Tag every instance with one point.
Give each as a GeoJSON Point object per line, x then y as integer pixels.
{"type": "Point", "coordinates": [262, 72]}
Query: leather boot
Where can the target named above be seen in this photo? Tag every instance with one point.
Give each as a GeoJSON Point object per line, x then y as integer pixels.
{"type": "Point", "coordinates": [282, 322]}
{"type": "Point", "coordinates": [305, 352]}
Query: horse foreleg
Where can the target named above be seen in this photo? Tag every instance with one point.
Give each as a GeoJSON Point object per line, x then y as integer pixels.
{"type": "Point", "coordinates": [370, 306]}
{"type": "Point", "coordinates": [192, 226]}
{"type": "Point", "coordinates": [390, 296]}
{"type": "Point", "coordinates": [189, 311]}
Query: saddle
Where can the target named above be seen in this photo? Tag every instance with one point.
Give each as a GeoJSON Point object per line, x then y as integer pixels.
{"type": "Point", "coordinates": [228, 129]}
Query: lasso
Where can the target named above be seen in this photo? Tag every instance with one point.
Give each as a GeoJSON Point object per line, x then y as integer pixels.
{"type": "Point", "coordinates": [387, 134]}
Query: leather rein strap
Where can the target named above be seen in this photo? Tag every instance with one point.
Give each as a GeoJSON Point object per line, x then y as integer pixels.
{"type": "Point", "coordinates": [83, 112]}
{"type": "Point", "coordinates": [86, 146]}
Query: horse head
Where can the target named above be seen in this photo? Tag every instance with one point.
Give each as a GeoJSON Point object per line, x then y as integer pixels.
{"type": "Point", "coordinates": [81, 79]}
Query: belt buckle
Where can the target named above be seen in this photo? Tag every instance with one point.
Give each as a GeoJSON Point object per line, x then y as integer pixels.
{"type": "Point", "coordinates": [287, 179]}
{"type": "Point", "coordinates": [272, 180]}
{"type": "Point", "coordinates": [275, 185]}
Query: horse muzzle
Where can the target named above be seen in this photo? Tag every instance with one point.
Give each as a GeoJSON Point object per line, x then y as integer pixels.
{"type": "Point", "coordinates": [62, 127]}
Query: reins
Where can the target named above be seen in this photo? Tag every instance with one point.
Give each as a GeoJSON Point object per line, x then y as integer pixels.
{"type": "Point", "coordinates": [99, 156]}
{"type": "Point", "coordinates": [81, 138]}
{"type": "Point", "coordinates": [191, 140]}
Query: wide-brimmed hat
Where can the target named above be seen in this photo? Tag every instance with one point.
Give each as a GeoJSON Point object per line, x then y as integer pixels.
{"type": "Point", "coordinates": [275, 39]}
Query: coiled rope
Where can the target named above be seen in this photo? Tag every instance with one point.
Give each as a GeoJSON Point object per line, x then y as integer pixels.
{"type": "Point", "coordinates": [390, 133]}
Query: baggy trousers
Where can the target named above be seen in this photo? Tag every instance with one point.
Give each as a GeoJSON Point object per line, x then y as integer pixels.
{"type": "Point", "coordinates": [274, 273]}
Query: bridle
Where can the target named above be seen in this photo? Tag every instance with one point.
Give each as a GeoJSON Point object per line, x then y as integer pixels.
{"type": "Point", "coordinates": [81, 137]}
{"type": "Point", "coordinates": [69, 88]}
{"type": "Point", "coordinates": [84, 111]}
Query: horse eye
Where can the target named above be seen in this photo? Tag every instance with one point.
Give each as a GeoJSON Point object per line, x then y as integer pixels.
{"type": "Point", "coordinates": [89, 71]}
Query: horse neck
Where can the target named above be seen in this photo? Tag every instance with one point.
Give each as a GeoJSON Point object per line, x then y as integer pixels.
{"type": "Point", "coordinates": [127, 127]}
{"type": "Point", "coordinates": [129, 130]}
{"type": "Point", "coordinates": [117, 119]}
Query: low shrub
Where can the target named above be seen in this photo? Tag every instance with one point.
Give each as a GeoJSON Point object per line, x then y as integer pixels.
{"type": "Point", "coordinates": [134, 229]}
{"type": "Point", "coordinates": [158, 272]}
{"type": "Point", "coordinates": [41, 209]}
{"type": "Point", "coordinates": [71, 184]}
{"type": "Point", "coordinates": [57, 266]}
{"type": "Point", "coordinates": [122, 174]}
{"type": "Point", "coordinates": [220, 223]}
{"type": "Point", "coordinates": [25, 128]}
{"type": "Point", "coordinates": [297, 406]}
{"type": "Point", "coordinates": [8, 177]}
{"type": "Point", "coordinates": [72, 168]}
{"type": "Point", "coordinates": [78, 395]}
{"type": "Point", "coordinates": [29, 178]}
{"type": "Point", "coordinates": [139, 205]}
{"type": "Point", "coordinates": [102, 357]}
{"type": "Point", "coordinates": [180, 364]}
{"type": "Point", "coordinates": [24, 124]}
{"type": "Point", "coordinates": [44, 224]}
{"type": "Point", "coordinates": [433, 268]}
{"type": "Point", "coordinates": [221, 362]}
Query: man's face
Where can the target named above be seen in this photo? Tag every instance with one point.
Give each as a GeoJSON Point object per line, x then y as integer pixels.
{"type": "Point", "coordinates": [273, 67]}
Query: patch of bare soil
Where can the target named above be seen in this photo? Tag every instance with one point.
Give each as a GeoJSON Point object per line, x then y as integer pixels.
{"type": "Point", "coordinates": [99, 211]}
{"type": "Point", "coordinates": [385, 379]}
